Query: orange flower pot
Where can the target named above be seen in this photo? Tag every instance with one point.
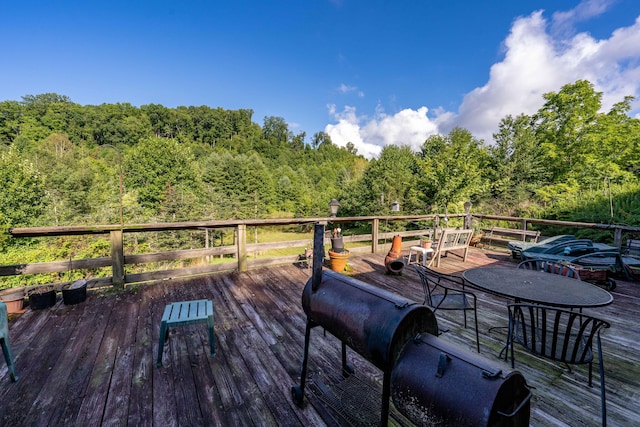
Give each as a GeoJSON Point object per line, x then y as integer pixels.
{"type": "Point", "coordinates": [14, 302]}
{"type": "Point", "coordinates": [338, 260]}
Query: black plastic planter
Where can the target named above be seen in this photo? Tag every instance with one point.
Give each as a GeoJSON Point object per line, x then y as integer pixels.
{"type": "Point", "coordinates": [75, 293]}
{"type": "Point", "coordinates": [42, 298]}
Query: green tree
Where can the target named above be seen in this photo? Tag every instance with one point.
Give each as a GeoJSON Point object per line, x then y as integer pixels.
{"type": "Point", "coordinates": [564, 126]}
{"type": "Point", "coordinates": [320, 138]}
{"type": "Point", "coordinates": [616, 145]}
{"type": "Point", "coordinates": [517, 165]}
{"type": "Point", "coordinates": [245, 182]}
{"type": "Point", "coordinates": [119, 123]}
{"type": "Point", "coordinates": [23, 191]}
{"type": "Point", "coordinates": [452, 167]}
{"type": "Point", "coordinates": [388, 179]}
{"type": "Point", "coordinates": [10, 117]}
{"type": "Point", "coordinates": [156, 164]}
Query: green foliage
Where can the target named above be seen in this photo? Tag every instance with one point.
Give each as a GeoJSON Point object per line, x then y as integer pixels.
{"type": "Point", "coordinates": [62, 163]}
{"type": "Point", "coordinates": [386, 180]}
{"type": "Point", "coordinates": [452, 167]}
{"type": "Point", "coordinates": [516, 165]}
{"type": "Point", "coordinates": [22, 190]}
{"type": "Point", "coordinates": [155, 166]}
{"type": "Point", "coordinates": [244, 184]}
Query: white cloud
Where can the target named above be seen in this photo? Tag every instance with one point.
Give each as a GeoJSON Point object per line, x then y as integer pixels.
{"type": "Point", "coordinates": [407, 127]}
{"type": "Point", "coordinates": [540, 56]}
{"type": "Point", "coordinates": [516, 85]}
{"type": "Point", "coordinates": [343, 88]}
{"type": "Point", "coordinates": [536, 63]}
{"type": "Point", "coordinates": [563, 22]}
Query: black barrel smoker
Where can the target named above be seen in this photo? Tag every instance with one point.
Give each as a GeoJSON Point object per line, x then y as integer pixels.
{"type": "Point", "coordinates": [429, 379]}
{"type": "Point", "coordinates": [373, 322]}
{"type": "Point", "coordinates": [437, 383]}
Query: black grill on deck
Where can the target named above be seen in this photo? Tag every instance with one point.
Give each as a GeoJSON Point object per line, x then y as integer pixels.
{"type": "Point", "coordinates": [383, 328]}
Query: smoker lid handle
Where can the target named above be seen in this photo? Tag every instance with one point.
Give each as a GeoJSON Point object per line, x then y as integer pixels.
{"type": "Point", "coordinates": [524, 401]}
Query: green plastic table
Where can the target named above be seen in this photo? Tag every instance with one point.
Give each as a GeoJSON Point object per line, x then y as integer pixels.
{"type": "Point", "coordinates": [186, 313]}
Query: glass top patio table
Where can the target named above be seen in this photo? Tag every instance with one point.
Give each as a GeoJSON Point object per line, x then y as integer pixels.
{"type": "Point", "coordinates": [538, 287]}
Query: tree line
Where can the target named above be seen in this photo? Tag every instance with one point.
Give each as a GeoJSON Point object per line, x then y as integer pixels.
{"type": "Point", "coordinates": [63, 163]}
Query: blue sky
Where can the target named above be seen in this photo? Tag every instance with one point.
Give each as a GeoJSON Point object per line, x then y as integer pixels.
{"type": "Point", "coordinates": [370, 72]}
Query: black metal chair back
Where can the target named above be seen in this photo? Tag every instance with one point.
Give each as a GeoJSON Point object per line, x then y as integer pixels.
{"type": "Point", "coordinates": [560, 335]}
{"type": "Point", "coordinates": [447, 292]}
{"type": "Point", "coordinates": [550, 267]}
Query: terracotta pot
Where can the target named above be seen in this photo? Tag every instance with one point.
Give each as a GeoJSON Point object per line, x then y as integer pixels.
{"type": "Point", "coordinates": [14, 302]}
{"type": "Point", "coordinates": [393, 261]}
{"type": "Point", "coordinates": [338, 260]}
{"type": "Point", "coordinates": [426, 244]}
{"type": "Point", "coordinates": [475, 240]}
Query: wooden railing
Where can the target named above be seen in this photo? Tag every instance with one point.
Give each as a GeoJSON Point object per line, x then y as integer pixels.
{"type": "Point", "coordinates": [524, 222]}
{"type": "Point", "coordinates": [241, 250]}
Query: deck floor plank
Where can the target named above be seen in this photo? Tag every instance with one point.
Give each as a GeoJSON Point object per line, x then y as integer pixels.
{"type": "Point", "coordinates": [73, 368]}
{"type": "Point", "coordinates": [94, 363]}
{"type": "Point", "coordinates": [164, 401]}
{"type": "Point", "coordinates": [60, 367]}
{"type": "Point", "coordinates": [119, 393]}
{"type": "Point", "coordinates": [97, 393]}
{"type": "Point", "coordinates": [140, 405]}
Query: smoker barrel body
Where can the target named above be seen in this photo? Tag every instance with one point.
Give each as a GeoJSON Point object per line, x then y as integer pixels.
{"type": "Point", "coordinates": [437, 383]}
{"type": "Point", "coordinates": [373, 322]}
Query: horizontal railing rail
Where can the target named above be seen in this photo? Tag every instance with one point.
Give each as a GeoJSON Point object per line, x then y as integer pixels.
{"type": "Point", "coordinates": [617, 229]}
{"type": "Point", "coordinates": [241, 250]}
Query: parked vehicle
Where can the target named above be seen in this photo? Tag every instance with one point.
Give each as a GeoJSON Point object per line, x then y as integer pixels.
{"type": "Point", "coordinates": [517, 246]}
{"type": "Point", "coordinates": [566, 247]}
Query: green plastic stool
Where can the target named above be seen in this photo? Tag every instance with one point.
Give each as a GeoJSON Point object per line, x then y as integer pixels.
{"type": "Point", "coordinates": [4, 340]}
{"type": "Point", "coordinates": [185, 313]}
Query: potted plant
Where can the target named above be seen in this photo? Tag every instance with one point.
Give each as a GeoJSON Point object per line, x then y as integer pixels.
{"type": "Point", "coordinates": [477, 236]}
{"type": "Point", "coordinates": [425, 242]}
{"type": "Point", "coordinates": [338, 255]}
{"type": "Point", "coordinates": [337, 244]}
{"type": "Point", "coordinates": [14, 300]}
{"type": "Point", "coordinates": [75, 293]}
{"type": "Point", "coordinates": [42, 297]}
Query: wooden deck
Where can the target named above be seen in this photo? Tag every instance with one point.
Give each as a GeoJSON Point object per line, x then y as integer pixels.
{"type": "Point", "coordinates": [94, 363]}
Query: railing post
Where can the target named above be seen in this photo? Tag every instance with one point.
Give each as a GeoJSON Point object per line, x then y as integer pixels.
{"type": "Point", "coordinates": [374, 235]}
{"type": "Point", "coordinates": [318, 254]}
{"type": "Point", "coordinates": [617, 237]}
{"type": "Point", "coordinates": [468, 218]}
{"type": "Point", "coordinates": [117, 258]}
{"type": "Point", "coordinates": [241, 231]}
{"type": "Point", "coordinates": [524, 227]}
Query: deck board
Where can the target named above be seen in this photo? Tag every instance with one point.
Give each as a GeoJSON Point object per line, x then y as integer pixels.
{"type": "Point", "coordinates": [94, 363]}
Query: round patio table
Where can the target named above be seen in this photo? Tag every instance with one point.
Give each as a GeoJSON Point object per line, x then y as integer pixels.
{"type": "Point", "coordinates": [538, 287]}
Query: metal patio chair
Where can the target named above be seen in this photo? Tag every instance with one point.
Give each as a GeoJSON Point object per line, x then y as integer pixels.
{"type": "Point", "coordinates": [446, 292]}
{"type": "Point", "coordinates": [560, 335]}
{"type": "Point", "coordinates": [550, 267]}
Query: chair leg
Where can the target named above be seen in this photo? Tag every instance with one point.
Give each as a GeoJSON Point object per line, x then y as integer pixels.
{"type": "Point", "coordinates": [509, 346]}
{"type": "Point", "coordinates": [8, 357]}
{"type": "Point", "coordinates": [603, 391]}
{"type": "Point", "coordinates": [475, 314]}
{"type": "Point", "coordinates": [163, 334]}
{"type": "Point", "coordinates": [212, 338]}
